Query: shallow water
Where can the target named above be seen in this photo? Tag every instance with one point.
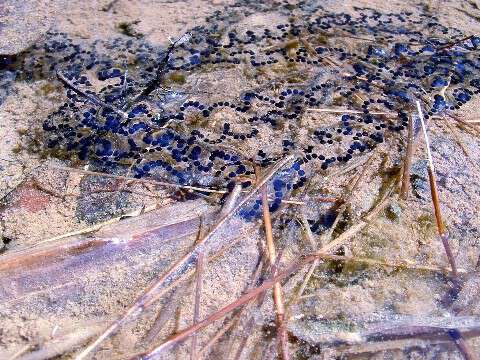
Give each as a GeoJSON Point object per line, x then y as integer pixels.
{"type": "Point", "coordinates": [249, 85]}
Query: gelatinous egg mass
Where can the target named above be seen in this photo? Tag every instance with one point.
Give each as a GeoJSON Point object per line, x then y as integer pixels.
{"type": "Point", "coordinates": [205, 109]}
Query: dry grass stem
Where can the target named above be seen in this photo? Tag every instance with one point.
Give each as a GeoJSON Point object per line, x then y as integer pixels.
{"type": "Point", "coordinates": [164, 315]}
{"type": "Point", "coordinates": [282, 336]}
{"type": "Point", "coordinates": [150, 295]}
{"type": "Point", "coordinates": [462, 344]}
{"type": "Point", "coordinates": [171, 185]}
{"type": "Point", "coordinates": [212, 257]}
{"type": "Point", "coordinates": [333, 245]}
{"type": "Point", "coordinates": [226, 208]}
{"type": "Point", "coordinates": [447, 46]}
{"type": "Point", "coordinates": [403, 338]}
{"type": "Point", "coordinates": [198, 282]}
{"type": "Point", "coordinates": [58, 345]}
{"type": "Point", "coordinates": [359, 226]}
{"type": "Point", "coordinates": [232, 198]}
{"type": "Point", "coordinates": [172, 304]}
{"type": "Point", "coordinates": [407, 162]}
{"type": "Point", "coordinates": [466, 125]}
{"type": "Point", "coordinates": [290, 269]}
{"type": "Point", "coordinates": [198, 294]}
{"type": "Point", "coordinates": [346, 169]}
{"type": "Point", "coordinates": [434, 192]}
{"type": "Point", "coordinates": [251, 322]}
{"type": "Point", "coordinates": [180, 336]}
{"type": "Point", "coordinates": [460, 143]}
{"type": "Point", "coordinates": [98, 226]}
{"type": "Point", "coordinates": [309, 236]}
{"type": "Point", "coordinates": [298, 294]}
{"type": "Point", "coordinates": [350, 190]}
{"type": "Point", "coordinates": [302, 219]}
{"type": "Point", "coordinates": [92, 98]}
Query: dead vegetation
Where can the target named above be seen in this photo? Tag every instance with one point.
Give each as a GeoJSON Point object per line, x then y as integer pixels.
{"type": "Point", "coordinates": [271, 273]}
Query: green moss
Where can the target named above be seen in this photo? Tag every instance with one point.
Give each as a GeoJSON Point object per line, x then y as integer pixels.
{"type": "Point", "coordinates": [291, 45]}
{"type": "Point", "coordinates": [372, 242]}
{"type": "Point", "coordinates": [178, 77]}
{"type": "Point", "coordinates": [322, 40]}
{"type": "Point", "coordinates": [352, 267]}
{"type": "Point", "coordinates": [291, 66]}
{"type": "Point", "coordinates": [393, 212]}
{"type": "Point", "coordinates": [17, 149]}
{"type": "Point", "coordinates": [127, 28]}
{"type": "Point", "coordinates": [426, 223]}
{"type": "Point", "coordinates": [426, 227]}
{"type": "Point", "coordinates": [338, 100]}
{"type": "Point", "coordinates": [48, 88]}
{"type": "Point", "coordinates": [22, 131]}
{"type": "Point", "coordinates": [198, 121]}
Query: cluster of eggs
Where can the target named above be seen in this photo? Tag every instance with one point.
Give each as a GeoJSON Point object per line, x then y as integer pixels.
{"type": "Point", "coordinates": [375, 64]}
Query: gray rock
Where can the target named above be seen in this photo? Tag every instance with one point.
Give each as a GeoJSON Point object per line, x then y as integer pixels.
{"type": "Point", "coordinates": [23, 22]}
{"type": "Point", "coordinates": [95, 205]}
{"type": "Point", "coordinates": [419, 179]}
{"type": "Point", "coordinates": [6, 80]}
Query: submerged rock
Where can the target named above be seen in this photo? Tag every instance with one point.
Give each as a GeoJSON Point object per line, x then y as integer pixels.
{"type": "Point", "coordinates": [23, 22]}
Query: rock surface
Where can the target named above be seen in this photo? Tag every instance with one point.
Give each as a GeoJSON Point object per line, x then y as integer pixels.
{"type": "Point", "coordinates": [23, 22]}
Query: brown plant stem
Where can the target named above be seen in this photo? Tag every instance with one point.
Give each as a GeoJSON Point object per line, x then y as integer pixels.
{"type": "Point", "coordinates": [163, 315]}
{"type": "Point", "coordinates": [436, 203]}
{"type": "Point", "coordinates": [177, 338]}
{"type": "Point", "coordinates": [449, 45]}
{"type": "Point", "coordinates": [171, 305]}
{"type": "Point", "coordinates": [465, 125]}
{"type": "Point", "coordinates": [408, 162]}
{"type": "Point", "coordinates": [250, 324]}
{"type": "Point", "coordinates": [150, 295]}
{"type": "Point", "coordinates": [92, 98]}
{"type": "Point", "coordinates": [290, 269]}
{"type": "Point", "coordinates": [282, 336]}
{"type": "Point", "coordinates": [175, 186]}
{"type": "Point", "coordinates": [198, 294]}
{"type": "Point", "coordinates": [461, 344]}
{"type": "Point", "coordinates": [226, 208]}
{"type": "Point", "coordinates": [309, 236]}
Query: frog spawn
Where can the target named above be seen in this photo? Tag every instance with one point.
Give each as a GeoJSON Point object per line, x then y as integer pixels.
{"type": "Point", "coordinates": [169, 134]}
